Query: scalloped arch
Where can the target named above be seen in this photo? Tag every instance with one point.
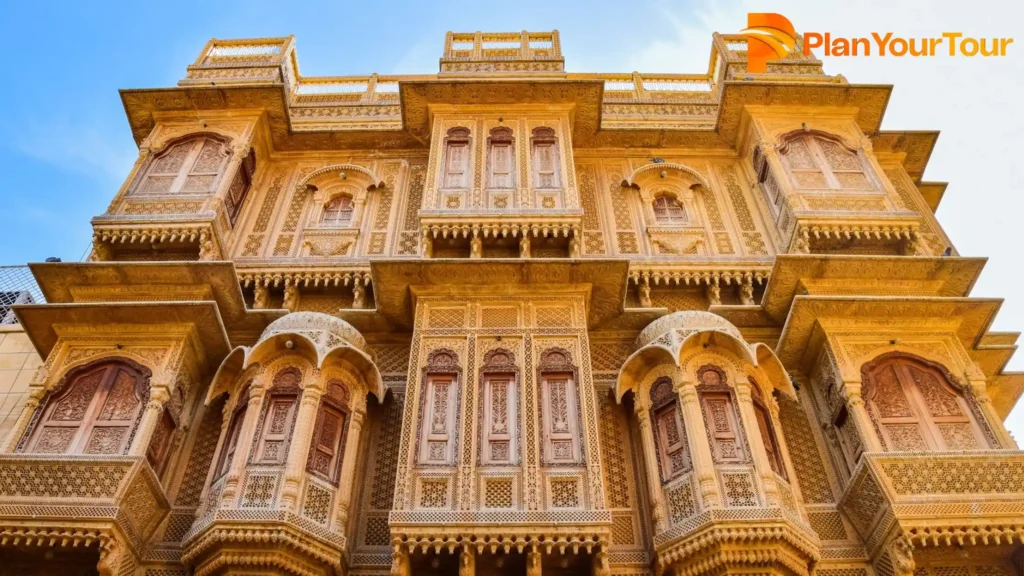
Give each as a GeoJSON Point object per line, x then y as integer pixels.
{"type": "Point", "coordinates": [365, 174]}
{"type": "Point", "coordinates": [631, 181]}
{"type": "Point", "coordinates": [159, 146]}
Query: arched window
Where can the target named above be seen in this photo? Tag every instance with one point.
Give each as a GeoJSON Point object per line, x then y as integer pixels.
{"type": "Point", "coordinates": [669, 433]}
{"type": "Point", "coordinates": [338, 211]}
{"type": "Point", "coordinates": [439, 409]}
{"type": "Point", "coordinates": [544, 158]}
{"type": "Point", "coordinates": [501, 172]}
{"type": "Point", "coordinates": [668, 210]}
{"type": "Point", "coordinates": [227, 452]}
{"type": "Point", "coordinates": [916, 408]}
{"type": "Point", "coordinates": [767, 430]}
{"type": "Point", "coordinates": [816, 162]}
{"type": "Point", "coordinates": [278, 418]}
{"type": "Point", "coordinates": [721, 420]}
{"type": "Point", "coordinates": [194, 166]}
{"type": "Point", "coordinates": [456, 159]}
{"type": "Point", "coordinates": [499, 410]}
{"type": "Point", "coordinates": [326, 448]}
{"type": "Point", "coordinates": [560, 409]}
{"type": "Point", "coordinates": [94, 413]}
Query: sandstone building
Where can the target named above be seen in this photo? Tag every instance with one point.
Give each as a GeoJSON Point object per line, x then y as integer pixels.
{"type": "Point", "coordinates": [510, 320]}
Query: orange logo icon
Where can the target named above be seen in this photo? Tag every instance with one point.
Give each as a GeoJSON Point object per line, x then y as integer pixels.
{"type": "Point", "coordinates": [770, 36]}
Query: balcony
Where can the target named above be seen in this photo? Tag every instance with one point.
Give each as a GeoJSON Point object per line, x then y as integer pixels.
{"type": "Point", "coordinates": [937, 500]}
{"type": "Point", "coordinates": [70, 501]}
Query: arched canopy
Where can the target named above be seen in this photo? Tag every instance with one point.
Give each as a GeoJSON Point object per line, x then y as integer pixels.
{"type": "Point", "coordinates": [359, 176]}
{"type": "Point", "coordinates": [650, 175]}
{"type": "Point", "coordinates": [669, 338]}
{"type": "Point", "coordinates": [315, 336]}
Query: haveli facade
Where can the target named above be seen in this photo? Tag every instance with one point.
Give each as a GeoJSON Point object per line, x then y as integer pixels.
{"type": "Point", "coordinates": [505, 319]}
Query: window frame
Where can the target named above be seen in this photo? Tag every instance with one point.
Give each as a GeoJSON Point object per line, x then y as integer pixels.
{"type": "Point", "coordinates": [428, 435]}
{"type": "Point", "coordinates": [545, 137]}
{"type": "Point", "coordinates": [821, 165]}
{"type": "Point", "coordinates": [186, 169]}
{"type": "Point", "coordinates": [665, 406]}
{"type": "Point", "coordinates": [511, 434]}
{"type": "Point", "coordinates": [108, 371]}
{"type": "Point", "coordinates": [920, 414]}
{"type": "Point", "coordinates": [460, 138]}
{"type": "Point", "coordinates": [667, 219]}
{"type": "Point", "coordinates": [342, 210]}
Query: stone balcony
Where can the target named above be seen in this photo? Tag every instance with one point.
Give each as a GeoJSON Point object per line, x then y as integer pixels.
{"type": "Point", "coordinates": [71, 501]}
{"type": "Point", "coordinates": [500, 234]}
{"type": "Point", "coordinates": [190, 233]}
{"type": "Point", "coordinates": [929, 501]}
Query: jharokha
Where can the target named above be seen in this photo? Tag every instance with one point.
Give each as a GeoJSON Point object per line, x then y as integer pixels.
{"type": "Point", "coordinates": [510, 320]}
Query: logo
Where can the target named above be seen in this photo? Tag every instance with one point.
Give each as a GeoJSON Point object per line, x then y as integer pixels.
{"type": "Point", "coordinates": [770, 36]}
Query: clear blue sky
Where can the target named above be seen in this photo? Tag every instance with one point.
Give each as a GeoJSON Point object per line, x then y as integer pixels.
{"type": "Point", "coordinates": [64, 142]}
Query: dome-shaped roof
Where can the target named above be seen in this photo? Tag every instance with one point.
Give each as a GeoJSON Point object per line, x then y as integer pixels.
{"type": "Point", "coordinates": [324, 330]}
{"type": "Point", "coordinates": [689, 320]}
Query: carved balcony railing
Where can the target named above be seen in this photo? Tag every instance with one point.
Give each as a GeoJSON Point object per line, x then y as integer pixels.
{"type": "Point", "coordinates": [937, 499]}
{"type": "Point", "coordinates": [502, 53]}
{"type": "Point", "coordinates": [62, 499]}
{"type": "Point", "coordinates": [519, 233]}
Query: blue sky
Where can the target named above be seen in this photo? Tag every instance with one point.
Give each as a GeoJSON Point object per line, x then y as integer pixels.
{"type": "Point", "coordinates": [64, 142]}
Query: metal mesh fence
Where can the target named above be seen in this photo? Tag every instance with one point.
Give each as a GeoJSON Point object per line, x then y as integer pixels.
{"type": "Point", "coordinates": [17, 286]}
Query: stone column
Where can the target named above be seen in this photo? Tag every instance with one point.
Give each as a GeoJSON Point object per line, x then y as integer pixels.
{"type": "Point", "coordinates": [348, 465]}
{"type": "Point", "coordinates": [760, 456]}
{"type": "Point", "coordinates": [467, 562]}
{"type": "Point", "coordinates": [158, 396]}
{"type": "Point", "coordinates": [533, 563]}
{"type": "Point", "coordinates": [980, 392]}
{"type": "Point", "coordinates": [651, 461]}
{"type": "Point", "coordinates": [238, 154]}
{"type": "Point", "coordinates": [298, 448]}
{"type": "Point", "coordinates": [859, 415]}
{"type": "Point", "coordinates": [400, 561]}
{"type": "Point", "coordinates": [245, 439]}
{"type": "Point", "coordinates": [700, 450]}
{"type": "Point", "coordinates": [14, 437]}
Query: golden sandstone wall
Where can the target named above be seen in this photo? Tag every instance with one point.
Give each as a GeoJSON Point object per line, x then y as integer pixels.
{"type": "Point", "coordinates": [506, 319]}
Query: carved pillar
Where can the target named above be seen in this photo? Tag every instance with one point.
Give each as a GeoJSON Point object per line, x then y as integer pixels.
{"type": "Point", "coordinates": [245, 440]}
{"type": "Point", "coordinates": [599, 564]}
{"type": "Point", "coordinates": [238, 153]}
{"type": "Point", "coordinates": [861, 419]}
{"type": "Point", "coordinates": [261, 297]}
{"type": "Point", "coordinates": [980, 392]}
{"type": "Point", "coordinates": [651, 463]}
{"type": "Point", "coordinates": [400, 561]}
{"type": "Point", "coordinates": [476, 246]}
{"type": "Point", "coordinates": [427, 245]}
{"type": "Point", "coordinates": [700, 450]}
{"type": "Point", "coordinates": [524, 244]}
{"type": "Point", "coordinates": [298, 448]}
{"type": "Point", "coordinates": [348, 464]}
{"type": "Point", "coordinates": [358, 295]}
{"type": "Point", "coordinates": [574, 246]}
{"type": "Point", "coordinates": [644, 291]}
{"type": "Point", "coordinates": [158, 396]}
{"type": "Point", "coordinates": [714, 292]}
{"type": "Point", "coordinates": [291, 298]}
{"type": "Point", "coordinates": [467, 562]}
{"type": "Point", "coordinates": [647, 201]}
{"type": "Point", "coordinates": [533, 563]}
{"type": "Point", "coordinates": [760, 455]}
{"type": "Point", "coordinates": [747, 290]}
{"type": "Point", "coordinates": [11, 444]}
